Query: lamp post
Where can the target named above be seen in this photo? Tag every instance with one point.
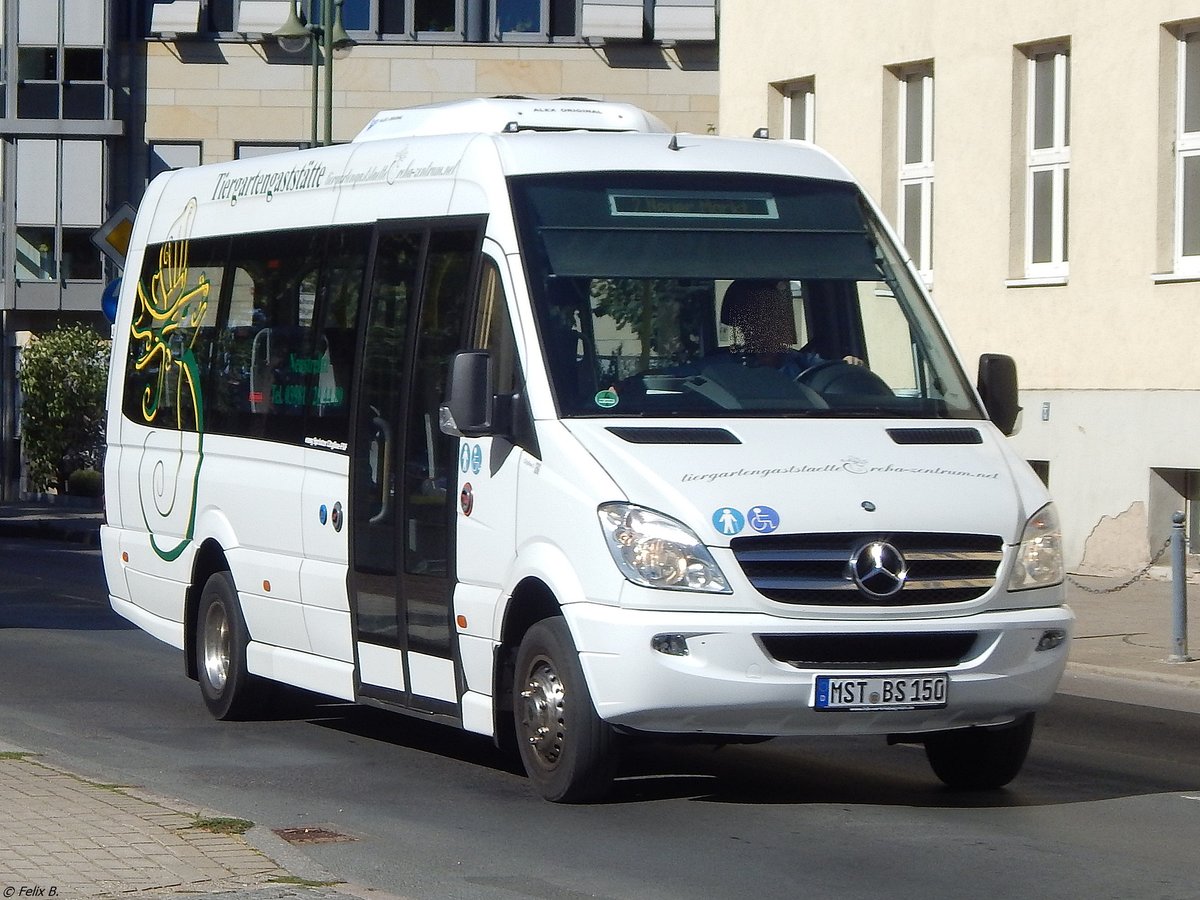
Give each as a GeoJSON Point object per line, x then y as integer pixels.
{"type": "Point", "coordinates": [296, 33]}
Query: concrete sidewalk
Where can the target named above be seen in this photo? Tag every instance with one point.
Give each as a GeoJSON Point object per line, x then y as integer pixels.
{"type": "Point", "coordinates": [62, 836]}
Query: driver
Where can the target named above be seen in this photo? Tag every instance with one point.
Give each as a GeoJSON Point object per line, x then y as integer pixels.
{"type": "Point", "coordinates": [761, 314]}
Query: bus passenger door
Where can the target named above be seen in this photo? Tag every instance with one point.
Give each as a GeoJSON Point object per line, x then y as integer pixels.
{"type": "Point", "coordinates": [403, 467]}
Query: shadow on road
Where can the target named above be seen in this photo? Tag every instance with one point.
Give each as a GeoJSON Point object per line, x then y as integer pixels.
{"type": "Point", "coordinates": [1083, 751]}
{"type": "Point", "coordinates": [55, 586]}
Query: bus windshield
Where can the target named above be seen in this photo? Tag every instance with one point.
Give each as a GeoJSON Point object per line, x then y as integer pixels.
{"type": "Point", "coordinates": [690, 294]}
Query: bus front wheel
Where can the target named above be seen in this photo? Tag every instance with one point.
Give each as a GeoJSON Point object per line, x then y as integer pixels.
{"type": "Point", "coordinates": [567, 750]}
{"type": "Point", "coordinates": [229, 690]}
{"type": "Point", "coordinates": [980, 759]}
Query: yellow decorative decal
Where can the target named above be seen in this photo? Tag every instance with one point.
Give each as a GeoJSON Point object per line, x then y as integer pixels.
{"type": "Point", "coordinates": [169, 310]}
{"type": "Point", "coordinates": [165, 306]}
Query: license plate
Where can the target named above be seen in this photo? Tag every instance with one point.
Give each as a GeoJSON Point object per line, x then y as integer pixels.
{"type": "Point", "coordinates": [881, 691]}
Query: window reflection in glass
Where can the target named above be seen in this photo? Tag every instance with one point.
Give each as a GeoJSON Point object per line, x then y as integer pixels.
{"type": "Point", "coordinates": [35, 254]}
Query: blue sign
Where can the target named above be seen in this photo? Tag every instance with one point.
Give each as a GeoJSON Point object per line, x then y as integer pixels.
{"type": "Point", "coordinates": [763, 519]}
{"type": "Point", "coordinates": [728, 520]}
{"type": "Point", "coordinates": [108, 299]}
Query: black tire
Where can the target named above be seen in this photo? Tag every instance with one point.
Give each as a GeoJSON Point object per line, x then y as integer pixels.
{"type": "Point", "coordinates": [229, 690]}
{"type": "Point", "coordinates": [980, 759]}
{"type": "Point", "coordinates": [568, 751]}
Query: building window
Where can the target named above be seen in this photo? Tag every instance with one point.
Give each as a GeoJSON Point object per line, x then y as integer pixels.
{"type": "Point", "coordinates": [251, 149]}
{"type": "Point", "coordinates": [1187, 156]}
{"type": "Point", "coordinates": [915, 216]}
{"type": "Point", "coordinates": [58, 207]}
{"type": "Point", "coordinates": [522, 18]}
{"type": "Point", "coordinates": [166, 156]}
{"type": "Point", "coordinates": [1048, 163]}
{"type": "Point", "coordinates": [35, 253]}
{"type": "Point", "coordinates": [799, 111]}
{"type": "Point", "coordinates": [61, 60]}
{"type": "Point", "coordinates": [476, 21]}
{"type": "Point", "coordinates": [419, 18]}
{"type": "Point", "coordinates": [76, 90]}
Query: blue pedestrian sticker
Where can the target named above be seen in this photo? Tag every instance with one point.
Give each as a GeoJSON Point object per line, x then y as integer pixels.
{"type": "Point", "coordinates": [728, 520]}
{"type": "Point", "coordinates": [464, 458]}
{"type": "Point", "coordinates": [763, 519]}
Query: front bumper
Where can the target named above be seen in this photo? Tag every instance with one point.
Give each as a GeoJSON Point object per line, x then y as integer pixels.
{"type": "Point", "coordinates": [729, 684]}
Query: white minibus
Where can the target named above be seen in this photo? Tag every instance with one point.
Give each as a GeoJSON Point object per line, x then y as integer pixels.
{"type": "Point", "coordinates": [539, 420]}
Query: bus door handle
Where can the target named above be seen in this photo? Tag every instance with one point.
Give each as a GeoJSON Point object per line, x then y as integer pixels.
{"type": "Point", "coordinates": [384, 430]}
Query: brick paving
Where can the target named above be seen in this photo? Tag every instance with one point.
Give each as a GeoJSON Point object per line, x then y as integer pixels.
{"type": "Point", "coordinates": [66, 837]}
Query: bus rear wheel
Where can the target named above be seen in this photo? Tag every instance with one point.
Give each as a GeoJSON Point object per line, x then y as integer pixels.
{"type": "Point", "coordinates": [980, 759]}
{"type": "Point", "coordinates": [228, 688]}
{"type": "Point", "coordinates": [567, 750]}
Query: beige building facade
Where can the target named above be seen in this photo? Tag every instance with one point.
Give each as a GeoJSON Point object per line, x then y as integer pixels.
{"type": "Point", "coordinates": [217, 95]}
{"type": "Point", "coordinates": [99, 96]}
{"type": "Point", "coordinates": [1041, 163]}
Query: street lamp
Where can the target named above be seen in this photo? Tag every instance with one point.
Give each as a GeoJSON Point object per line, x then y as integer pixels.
{"type": "Point", "coordinates": [295, 33]}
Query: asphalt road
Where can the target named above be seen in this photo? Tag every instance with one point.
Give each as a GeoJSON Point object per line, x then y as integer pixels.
{"type": "Point", "coordinates": [1108, 805]}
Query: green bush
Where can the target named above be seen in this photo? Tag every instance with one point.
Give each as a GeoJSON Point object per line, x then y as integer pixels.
{"type": "Point", "coordinates": [62, 377]}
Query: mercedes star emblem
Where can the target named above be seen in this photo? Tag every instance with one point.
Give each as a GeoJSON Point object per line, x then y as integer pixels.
{"type": "Point", "coordinates": [879, 569]}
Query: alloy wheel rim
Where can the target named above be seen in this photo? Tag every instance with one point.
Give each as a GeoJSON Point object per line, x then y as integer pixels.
{"type": "Point", "coordinates": [543, 712]}
{"type": "Point", "coordinates": [216, 647]}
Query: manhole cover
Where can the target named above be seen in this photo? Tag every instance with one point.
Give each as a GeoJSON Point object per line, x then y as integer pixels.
{"type": "Point", "coordinates": [311, 835]}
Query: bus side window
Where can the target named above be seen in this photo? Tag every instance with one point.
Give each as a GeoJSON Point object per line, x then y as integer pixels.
{"type": "Point", "coordinates": [265, 344]}
{"type": "Point", "coordinates": [493, 331]}
{"type": "Point", "coordinates": [172, 332]}
{"type": "Point", "coordinates": [431, 461]}
{"type": "Point", "coordinates": [336, 344]}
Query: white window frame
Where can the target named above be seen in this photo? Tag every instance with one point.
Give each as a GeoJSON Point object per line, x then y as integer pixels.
{"type": "Point", "coordinates": [1187, 146]}
{"type": "Point", "coordinates": [804, 92]}
{"type": "Point", "coordinates": [919, 172]}
{"type": "Point", "coordinates": [1055, 159]}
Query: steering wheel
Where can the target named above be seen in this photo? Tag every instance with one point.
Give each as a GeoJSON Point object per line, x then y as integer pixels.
{"type": "Point", "coordinates": [819, 367]}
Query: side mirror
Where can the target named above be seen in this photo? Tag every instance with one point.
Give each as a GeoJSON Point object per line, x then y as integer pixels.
{"type": "Point", "coordinates": [998, 387]}
{"type": "Point", "coordinates": [469, 406]}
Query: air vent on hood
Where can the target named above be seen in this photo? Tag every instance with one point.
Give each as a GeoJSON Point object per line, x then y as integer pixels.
{"type": "Point", "coordinates": [674, 435]}
{"type": "Point", "coordinates": [935, 435]}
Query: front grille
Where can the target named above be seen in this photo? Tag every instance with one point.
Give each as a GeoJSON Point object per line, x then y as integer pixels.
{"type": "Point", "coordinates": [815, 569]}
{"type": "Point", "coordinates": [939, 650]}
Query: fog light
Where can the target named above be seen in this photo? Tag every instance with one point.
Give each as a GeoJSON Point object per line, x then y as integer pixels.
{"type": "Point", "coordinates": [670, 644]}
{"type": "Point", "coordinates": [1052, 639]}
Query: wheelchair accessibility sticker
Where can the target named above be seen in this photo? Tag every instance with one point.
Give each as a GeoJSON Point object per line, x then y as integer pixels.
{"type": "Point", "coordinates": [763, 519]}
{"type": "Point", "coordinates": [470, 458]}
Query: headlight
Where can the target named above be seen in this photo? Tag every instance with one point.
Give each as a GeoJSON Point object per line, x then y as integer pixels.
{"type": "Point", "coordinates": [655, 551]}
{"type": "Point", "coordinates": [1039, 558]}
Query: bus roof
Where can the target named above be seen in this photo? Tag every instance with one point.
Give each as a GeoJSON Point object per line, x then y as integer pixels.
{"type": "Point", "coordinates": [454, 167]}
{"type": "Point", "coordinates": [494, 115]}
